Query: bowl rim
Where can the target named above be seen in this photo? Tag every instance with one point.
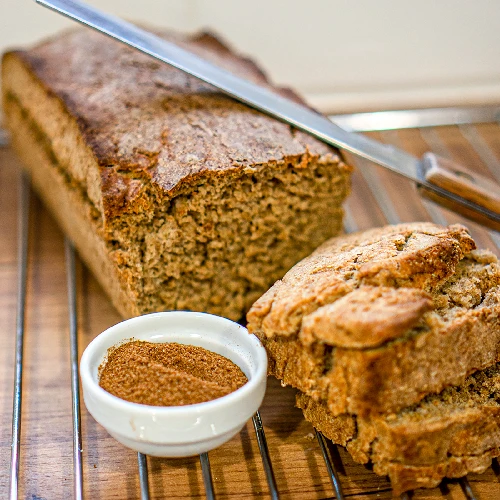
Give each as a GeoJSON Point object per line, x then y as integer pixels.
{"type": "Point", "coordinates": [89, 383]}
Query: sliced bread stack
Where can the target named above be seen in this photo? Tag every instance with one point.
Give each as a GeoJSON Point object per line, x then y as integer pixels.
{"type": "Point", "coordinates": [392, 336]}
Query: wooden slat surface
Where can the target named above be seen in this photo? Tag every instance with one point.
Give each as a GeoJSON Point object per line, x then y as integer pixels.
{"type": "Point", "coordinates": [110, 470]}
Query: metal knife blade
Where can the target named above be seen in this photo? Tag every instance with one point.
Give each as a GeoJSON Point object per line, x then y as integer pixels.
{"type": "Point", "coordinates": [263, 99]}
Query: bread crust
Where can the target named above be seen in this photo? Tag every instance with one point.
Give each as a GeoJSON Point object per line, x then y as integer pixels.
{"type": "Point", "coordinates": [147, 122]}
{"type": "Point", "coordinates": [186, 198]}
{"type": "Point", "coordinates": [448, 328]}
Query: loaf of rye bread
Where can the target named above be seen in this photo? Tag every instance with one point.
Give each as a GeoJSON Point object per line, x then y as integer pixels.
{"type": "Point", "coordinates": [445, 435]}
{"type": "Point", "coordinates": [176, 196]}
{"type": "Point", "coordinates": [372, 322]}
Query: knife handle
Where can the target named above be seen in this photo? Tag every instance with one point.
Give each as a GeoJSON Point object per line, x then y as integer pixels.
{"type": "Point", "coordinates": [465, 183]}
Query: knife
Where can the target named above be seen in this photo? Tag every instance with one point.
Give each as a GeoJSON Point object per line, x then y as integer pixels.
{"type": "Point", "coordinates": [439, 179]}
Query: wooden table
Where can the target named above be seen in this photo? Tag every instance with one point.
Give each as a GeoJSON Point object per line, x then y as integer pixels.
{"type": "Point", "coordinates": [110, 470]}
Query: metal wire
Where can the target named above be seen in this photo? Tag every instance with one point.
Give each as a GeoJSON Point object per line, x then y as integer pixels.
{"type": "Point", "coordinates": [488, 157]}
{"type": "Point", "coordinates": [337, 487]}
{"type": "Point", "coordinates": [481, 147]}
{"type": "Point", "coordinates": [22, 270]}
{"type": "Point", "coordinates": [143, 476]}
{"type": "Point", "coordinates": [466, 488]}
{"type": "Point", "coordinates": [75, 383]}
{"type": "Point", "coordinates": [264, 453]}
{"type": "Point", "coordinates": [435, 214]}
{"type": "Point", "coordinates": [207, 476]}
{"type": "Point", "coordinates": [378, 191]}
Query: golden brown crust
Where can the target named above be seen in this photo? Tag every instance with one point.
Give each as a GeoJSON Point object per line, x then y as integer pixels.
{"type": "Point", "coordinates": [372, 322]}
{"type": "Point", "coordinates": [417, 255]}
{"type": "Point", "coordinates": [446, 435]}
{"type": "Point", "coordinates": [366, 317]}
{"type": "Point", "coordinates": [147, 122]}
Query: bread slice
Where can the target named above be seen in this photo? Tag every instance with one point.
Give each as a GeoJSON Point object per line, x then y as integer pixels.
{"type": "Point", "coordinates": [446, 435]}
{"type": "Point", "coordinates": [176, 196]}
{"type": "Point", "coordinates": [373, 321]}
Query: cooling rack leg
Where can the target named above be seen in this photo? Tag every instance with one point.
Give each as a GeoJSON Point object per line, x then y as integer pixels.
{"type": "Point", "coordinates": [143, 476]}
{"type": "Point", "coordinates": [22, 265]}
{"type": "Point", "coordinates": [207, 476]}
{"type": "Point", "coordinates": [75, 383]}
{"type": "Point", "coordinates": [264, 453]}
{"type": "Point", "coordinates": [337, 488]}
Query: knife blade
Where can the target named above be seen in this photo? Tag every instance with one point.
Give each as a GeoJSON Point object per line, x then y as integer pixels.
{"type": "Point", "coordinates": [481, 205]}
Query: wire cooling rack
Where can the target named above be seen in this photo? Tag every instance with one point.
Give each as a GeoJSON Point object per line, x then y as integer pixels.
{"type": "Point", "coordinates": [380, 194]}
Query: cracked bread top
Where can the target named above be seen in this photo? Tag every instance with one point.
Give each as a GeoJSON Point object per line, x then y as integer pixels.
{"type": "Point", "coordinates": [363, 289]}
{"type": "Point", "coordinates": [145, 121]}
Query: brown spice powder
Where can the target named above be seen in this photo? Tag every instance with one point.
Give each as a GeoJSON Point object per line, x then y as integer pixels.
{"type": "Point", "coordinates": [168, 374]}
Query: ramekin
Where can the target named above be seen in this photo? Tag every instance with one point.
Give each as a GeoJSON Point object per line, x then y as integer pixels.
{"type": "Point", "coordinates": [177, 431]}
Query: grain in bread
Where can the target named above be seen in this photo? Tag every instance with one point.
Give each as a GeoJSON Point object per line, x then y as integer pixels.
{"type": "Point", "coordinates": [176, 196]}
{"type": "Point", "coordinates": [373, 321]}
{"type": "Point", "coordinates": [445, 435]}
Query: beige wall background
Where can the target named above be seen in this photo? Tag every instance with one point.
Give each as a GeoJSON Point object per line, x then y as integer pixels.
{"type": "Point", "coordinates": [343, 55]}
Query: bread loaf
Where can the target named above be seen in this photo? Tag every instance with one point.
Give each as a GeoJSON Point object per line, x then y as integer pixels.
{"type": "Point", "coordinates": [176, 196]}
{"type": "Point", "coordinates": [372, 322]}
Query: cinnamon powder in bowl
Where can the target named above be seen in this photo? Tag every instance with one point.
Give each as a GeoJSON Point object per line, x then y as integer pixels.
{"type": "Point", "coordinates": [174, 384]}
{"type": "Point", "coordinates": [168, 374]}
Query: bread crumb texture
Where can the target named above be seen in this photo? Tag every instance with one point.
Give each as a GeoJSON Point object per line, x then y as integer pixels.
{"type": "Point", "coordinates": [198, 201]}
{"type": "Point", "coordinates": [373, 321]}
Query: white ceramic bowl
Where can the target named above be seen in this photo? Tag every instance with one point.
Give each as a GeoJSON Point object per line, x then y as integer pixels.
{"type": "Point", "coordinates": [177, 431]}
